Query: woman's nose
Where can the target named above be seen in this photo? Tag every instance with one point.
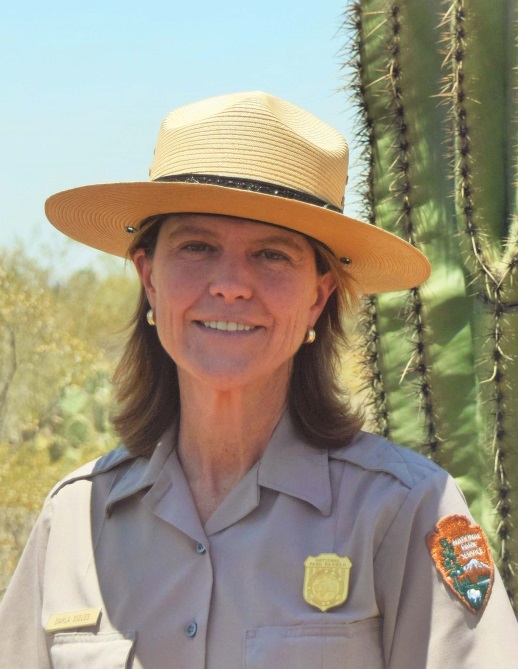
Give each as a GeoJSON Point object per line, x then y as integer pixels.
{"type": "Point", "coordinates": [231, 280]}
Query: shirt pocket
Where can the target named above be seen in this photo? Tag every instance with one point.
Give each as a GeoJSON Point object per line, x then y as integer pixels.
{"type": "Point", "coordinates": [111, 650]}
{"type": "Point", "coordinates": [354, 645]}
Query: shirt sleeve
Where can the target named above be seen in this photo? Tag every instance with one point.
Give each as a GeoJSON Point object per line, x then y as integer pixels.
{"type": "Point", "coordinates": [24, 643]}
{"type": "Point", "coordinates": [425, 624]}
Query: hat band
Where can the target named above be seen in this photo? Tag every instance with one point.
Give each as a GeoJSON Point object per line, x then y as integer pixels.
{"type": "Point", "coordinates": [251, 185]}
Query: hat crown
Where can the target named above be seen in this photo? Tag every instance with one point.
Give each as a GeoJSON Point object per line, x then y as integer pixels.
{"type": "Point", "coordinates": [254, 136]}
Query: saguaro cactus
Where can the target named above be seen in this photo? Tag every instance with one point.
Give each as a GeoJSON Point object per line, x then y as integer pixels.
{"type": "Point", "coordinates": [435, 85]}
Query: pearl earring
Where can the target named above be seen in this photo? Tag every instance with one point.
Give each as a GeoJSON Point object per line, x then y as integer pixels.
{"type": "Point", "coordinates": [150, 317]}
{"type": "Point", "coordinates": [310, 337]}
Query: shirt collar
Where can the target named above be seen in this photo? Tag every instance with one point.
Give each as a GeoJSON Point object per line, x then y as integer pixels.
{"type": "Point", "coordinates": [289, 465]}
{"type": "Point", "coordinates": [143, 472]}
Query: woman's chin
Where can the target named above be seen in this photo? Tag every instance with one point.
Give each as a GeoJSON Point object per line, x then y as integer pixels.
{"type": "Point", "coordinates": [224, 378]}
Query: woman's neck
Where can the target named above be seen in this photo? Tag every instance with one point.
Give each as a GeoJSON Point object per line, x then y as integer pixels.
{"type": "Point", "coordinates": [223, 434]}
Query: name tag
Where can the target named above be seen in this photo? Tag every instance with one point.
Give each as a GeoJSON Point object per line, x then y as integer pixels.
{"type": "Point", "coordinates": [73, 620]}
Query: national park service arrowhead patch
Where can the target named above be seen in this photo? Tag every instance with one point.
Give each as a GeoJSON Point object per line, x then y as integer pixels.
{"type": "Point", "coordinates": [462, 555]}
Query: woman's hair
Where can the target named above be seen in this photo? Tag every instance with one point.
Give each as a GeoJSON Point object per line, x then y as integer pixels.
{"type": "Point", "coordinates": [146, 378]}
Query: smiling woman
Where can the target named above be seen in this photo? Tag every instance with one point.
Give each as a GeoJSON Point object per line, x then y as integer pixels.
{"type": "Point", "coordinates": [248, 521]}
{"type": "Point", "coordinates": [233, 271]}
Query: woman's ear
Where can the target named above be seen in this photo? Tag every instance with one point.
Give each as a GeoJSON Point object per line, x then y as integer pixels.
{"type": "Point", "coordinates": [325, 287]}
{"type": "Point", "coordinates": [144, 266]}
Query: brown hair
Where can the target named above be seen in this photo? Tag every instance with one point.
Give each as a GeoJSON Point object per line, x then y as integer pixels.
{"type": "Point", "coordinates": [146, 378]}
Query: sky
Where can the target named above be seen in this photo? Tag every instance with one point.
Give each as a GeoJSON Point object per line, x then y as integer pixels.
{"type": "Point", "coordinates": [86, 85]}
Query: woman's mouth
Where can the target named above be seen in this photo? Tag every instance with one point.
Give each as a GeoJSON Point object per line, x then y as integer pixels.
{"type": "Point", "coordinates": [228, 326]}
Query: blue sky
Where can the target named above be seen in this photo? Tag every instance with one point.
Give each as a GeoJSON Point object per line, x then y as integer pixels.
{"type": "Point", "coordinates": [86, 85]}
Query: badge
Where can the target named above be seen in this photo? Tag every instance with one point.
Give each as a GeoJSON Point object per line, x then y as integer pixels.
{"type": "Point", "coordinates": [326, 580]}
{"type": "Point", "coordinates": [73, 620]}
{"type": "Point", "coordinates": [462, 555]}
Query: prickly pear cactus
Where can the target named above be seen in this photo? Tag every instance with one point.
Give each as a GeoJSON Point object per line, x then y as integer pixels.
{"type": "Point", "coordinates": [435, 85]}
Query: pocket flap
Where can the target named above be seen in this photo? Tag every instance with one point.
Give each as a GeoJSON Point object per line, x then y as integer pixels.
{"type": "Point", "coordinates": [111, 650]}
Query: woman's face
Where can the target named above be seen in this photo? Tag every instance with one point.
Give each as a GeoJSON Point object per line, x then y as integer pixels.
{"type": "Point", "coordinates": [233, 299]}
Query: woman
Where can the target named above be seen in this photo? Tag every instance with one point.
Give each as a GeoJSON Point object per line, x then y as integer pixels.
{"type": "Point", "coordinates": [248, 522]}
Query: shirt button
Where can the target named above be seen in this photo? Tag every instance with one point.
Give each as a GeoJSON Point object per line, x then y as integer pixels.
{"type": "Point", "coordinates": [200, 548]}
{"type": "Point", "coordinates": [191, 630]}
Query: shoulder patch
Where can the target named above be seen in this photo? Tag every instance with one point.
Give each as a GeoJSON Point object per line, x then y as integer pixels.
{"type": "Point", "coordinates": [461, 553]}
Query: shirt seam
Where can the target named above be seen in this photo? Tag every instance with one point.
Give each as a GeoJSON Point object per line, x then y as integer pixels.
{"type": "Point", "coordinates": [410, 490]}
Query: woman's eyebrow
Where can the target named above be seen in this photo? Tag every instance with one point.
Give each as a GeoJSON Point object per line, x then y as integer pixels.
{"type": "Point", "coordinates": [190, 229]}
{"type": "Point", "coordinates": [283, 240]}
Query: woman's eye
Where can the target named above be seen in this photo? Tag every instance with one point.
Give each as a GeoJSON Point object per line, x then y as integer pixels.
{"type": "Point", "coordinates": [197, 247]}
{"type": "Point", "coordinates": [270, 254]}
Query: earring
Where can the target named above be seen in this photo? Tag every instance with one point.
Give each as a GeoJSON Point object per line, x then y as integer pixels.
{"type": "Point", "coordinates": [310, 337]}
{"type": "Point", "coordinates": [150, 317]}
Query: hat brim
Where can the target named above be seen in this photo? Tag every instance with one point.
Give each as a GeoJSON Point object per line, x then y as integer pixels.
{"type": "Point", "coordinates": [98, 216]}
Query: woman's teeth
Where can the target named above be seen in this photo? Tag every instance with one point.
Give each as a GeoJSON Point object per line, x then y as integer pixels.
{"type": "Point", "coordinates": [224, 325]}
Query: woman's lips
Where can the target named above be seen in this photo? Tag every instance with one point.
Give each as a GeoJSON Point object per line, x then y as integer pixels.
{"type": "Point", "coordinates": [228, 326]}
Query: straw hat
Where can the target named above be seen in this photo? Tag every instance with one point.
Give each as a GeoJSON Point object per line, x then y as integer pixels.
{"type": "Point", "coordinates": [253, 156]}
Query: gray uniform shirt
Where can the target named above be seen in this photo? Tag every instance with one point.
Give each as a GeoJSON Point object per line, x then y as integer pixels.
{"type": "Point", "coordinates": [122, 536]}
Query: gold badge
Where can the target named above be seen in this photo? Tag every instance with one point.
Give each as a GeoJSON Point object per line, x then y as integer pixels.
{"type": "Point", "coordinates": [73, 620]}
{"type": "Point", "coordinates": [326, 580]}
